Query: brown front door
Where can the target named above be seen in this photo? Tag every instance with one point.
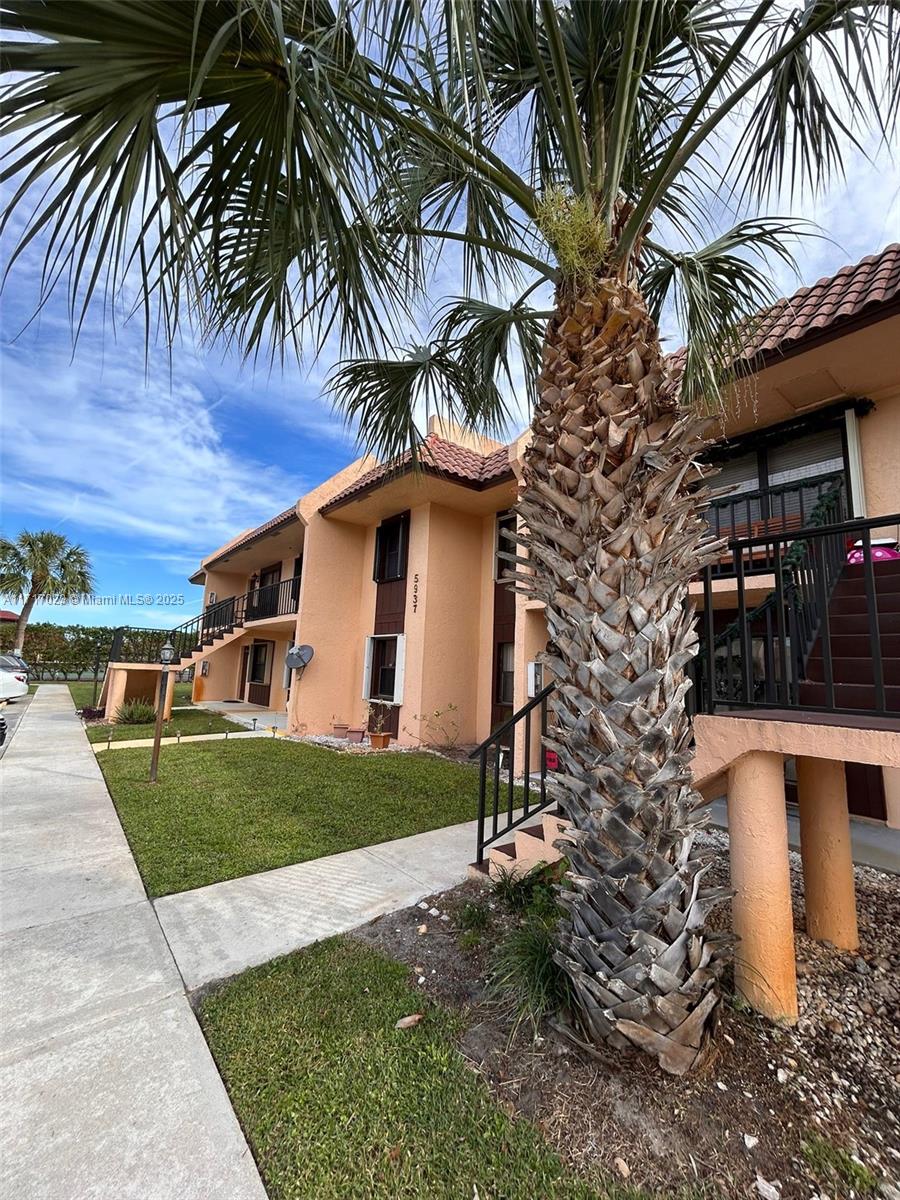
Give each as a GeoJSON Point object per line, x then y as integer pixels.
{"type": "Point", "coordinates": [263, 602]}
{"type": "Point", "coordinates": [259, 672]}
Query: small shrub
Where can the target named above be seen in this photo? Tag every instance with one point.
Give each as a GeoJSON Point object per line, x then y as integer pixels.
{"type": "Point", "coordinates": [473, 915]}
{"type": "Point", "coordinates": [534, 892]}
{"type": "Point", "coordinates": [470, 939]}
{"type": "Point", "coordinates": [136, 712]}
{"type": "Point", "coordinates": [836, 1165]}
{"type": "Point", "coordinates": [524, 977]}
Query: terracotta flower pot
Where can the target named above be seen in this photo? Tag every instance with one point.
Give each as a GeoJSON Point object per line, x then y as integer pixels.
{"type": "Point", "coordinates": [356, 735]}
{"type": "Point", "coordinates": [340, 729]}
{"type": "Point", "coordinates": [380, 741]}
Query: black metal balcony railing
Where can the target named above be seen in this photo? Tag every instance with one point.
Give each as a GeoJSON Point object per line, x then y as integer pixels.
{"type": "Point", "coordinates": [825, 639]}
{"type": "Point", "coordinates": [775, 510]}
{"type": "Point", "coordinates": [131, 644]}
{"type": "Point", "coordinates": [499, 798]}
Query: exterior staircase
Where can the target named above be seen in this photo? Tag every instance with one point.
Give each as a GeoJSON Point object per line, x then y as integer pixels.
{"type": "Point", "coordinates": [852, 668]}
{"type": "Point", "coordinates": [531, 846]}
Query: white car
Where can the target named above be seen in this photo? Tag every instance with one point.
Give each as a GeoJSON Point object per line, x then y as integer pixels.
{"type": "Point", "coordinates": [13, 677]}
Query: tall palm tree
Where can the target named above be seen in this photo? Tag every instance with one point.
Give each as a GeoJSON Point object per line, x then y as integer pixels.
{"type": "Point", "coordinates": [285, 172]}
{"type": "Point", "coordinates": [42, 565]}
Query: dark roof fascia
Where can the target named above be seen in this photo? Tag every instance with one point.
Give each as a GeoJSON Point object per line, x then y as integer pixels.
{"type": "Point", "coordinates": [251, 540]}
{"type": "Point", "coordinates": [473, 485]}
{"type": "Point", "coordinates": [821, 337]}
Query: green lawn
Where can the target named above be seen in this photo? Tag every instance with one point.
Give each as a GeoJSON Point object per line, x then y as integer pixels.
{"type": "Point", "coordinates": [340, 1105]}
{"type": "Point", "coordinates": [195, 720]}
{"type": "Point", "coordinates": [224, 809]}
{"type": "Point", "coordinates": [83, 692]}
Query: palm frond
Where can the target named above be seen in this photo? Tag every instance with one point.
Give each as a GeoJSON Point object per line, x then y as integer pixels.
{"type": "Point", "coordinates": [386, 398]}
{"type": "Point", "coordinates": [821, 98]}
{"type": "Point", "coordinates": [718, 292]}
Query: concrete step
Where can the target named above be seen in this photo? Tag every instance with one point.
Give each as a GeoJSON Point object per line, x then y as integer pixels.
{"type": "Point", "coordinates": [846, 604]}
{"type": "Point", "coordinates": [851, 670]}
{"type": "Point", "coordinates": [850, 695]}
{"type": "Point", "coordinates": [859, 645]}
{"type": "Point", "coordinates": [855, 623]}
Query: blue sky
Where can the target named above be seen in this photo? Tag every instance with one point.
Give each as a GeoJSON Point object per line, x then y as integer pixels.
{"type": "Point", "coordinates": [150, 466]}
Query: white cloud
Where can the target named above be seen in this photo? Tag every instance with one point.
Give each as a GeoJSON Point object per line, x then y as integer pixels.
{"type": "Point", "coordinates": [92, 439]}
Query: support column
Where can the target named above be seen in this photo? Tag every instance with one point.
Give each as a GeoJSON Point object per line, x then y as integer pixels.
{"type": "Point", "coordinates": [828, 882]}
{"type": "Point", "coordinates": [891, 777]}
{"type": "Point", "coordinates": [765, 969]}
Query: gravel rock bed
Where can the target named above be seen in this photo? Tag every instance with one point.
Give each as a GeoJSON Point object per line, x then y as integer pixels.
{"type": "Point", "coordinates": [843, 1056]}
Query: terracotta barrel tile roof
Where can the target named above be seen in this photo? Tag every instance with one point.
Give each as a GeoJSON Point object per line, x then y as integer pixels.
{"type": "Point", "coordinates": [874, 280]}
{"type": "Point", "coordinates": [457, 463]}
{"type": "Point", "coordinates": [852, 292]}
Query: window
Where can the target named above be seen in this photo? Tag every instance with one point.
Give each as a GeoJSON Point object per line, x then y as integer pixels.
{"type": "Point", "coordinates": [259, 663]}
{"type": "Point", "coordinates": [384, 669]}
{"type": "Point", "coordinates": [505, 672]}
{"type": "Point", "coordinates": [506, 523]}
{"type": "Point", "coordinates": [390, 549]}
{"type": "Point", "coordinates": [383, 676]}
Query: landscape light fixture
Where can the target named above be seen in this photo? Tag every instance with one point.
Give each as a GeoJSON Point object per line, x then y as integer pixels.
{"type": "Point", "coordinates": [166, 656]}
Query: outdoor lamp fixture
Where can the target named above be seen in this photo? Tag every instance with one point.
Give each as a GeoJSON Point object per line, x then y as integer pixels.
{"type": "Point", "coordinates": [166, 655]}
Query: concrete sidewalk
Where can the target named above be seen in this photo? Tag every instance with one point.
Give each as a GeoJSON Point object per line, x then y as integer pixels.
{"type": "Point", "coordinates": [222, 929]}
{"type": "Point", "coordinates": [107, 1087]}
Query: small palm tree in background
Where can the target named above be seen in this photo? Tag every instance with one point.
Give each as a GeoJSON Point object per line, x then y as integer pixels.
{"type": "Point", "coordinates": [42, 565]}
{"type": "Point", "coordinates": [288, 171]}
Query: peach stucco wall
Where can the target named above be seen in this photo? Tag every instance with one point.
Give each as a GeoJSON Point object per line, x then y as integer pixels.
{"type": "Point", "coordinates": [444, 619]}
{"type": "Point", "coordinates": [879, 440]}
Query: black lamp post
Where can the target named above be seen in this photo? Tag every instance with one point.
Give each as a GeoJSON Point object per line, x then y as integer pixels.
{"type": "Point", "coordinates": [165, 657]}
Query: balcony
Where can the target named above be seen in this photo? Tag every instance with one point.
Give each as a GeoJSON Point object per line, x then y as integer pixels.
{"type": "Point", "coordinates": [826, 637]}
{"type": "Point", "coordinates": [131, 644]}
{"type": "Point", "coordinates": [779, 510]}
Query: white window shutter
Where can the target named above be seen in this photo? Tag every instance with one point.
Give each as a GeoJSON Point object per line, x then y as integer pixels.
{"type": "Point", "coordinates": [367, 669]}
{"type": "Point", "coordinates": [398, 669]}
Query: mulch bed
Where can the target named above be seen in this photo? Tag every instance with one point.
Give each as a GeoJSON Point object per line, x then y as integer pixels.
{"type": "Point", "coordinates": [739, 1119]}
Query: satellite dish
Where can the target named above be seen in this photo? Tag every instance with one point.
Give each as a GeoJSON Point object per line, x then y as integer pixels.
{"type": "Point", "coordinates": [298, 658]}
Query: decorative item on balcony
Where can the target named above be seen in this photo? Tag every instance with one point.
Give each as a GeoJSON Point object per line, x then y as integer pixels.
{"type": "Point", "coordinates": [356, 734]}
{"type": "Point", "coordinates": [883, 550]}
{"type": "Point", "coordinates": [339, 728]}
{"type": "Point", "coordinates": [376, 715]}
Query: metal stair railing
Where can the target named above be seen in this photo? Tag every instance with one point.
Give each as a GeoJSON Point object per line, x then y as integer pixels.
{"type": "Point", "coordinates": [132, 644]}
{"type": "Point", "coordinates": [797, 618]}
{"type": "Point", "coordinates": [793, 612]}
{"type": "Point", "coordinates": [502, 743]}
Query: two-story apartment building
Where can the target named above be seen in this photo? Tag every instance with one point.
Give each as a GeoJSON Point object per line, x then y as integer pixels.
{"type": "Point", "coordinates": [393, 577]}
{"type": "Point", "coordinates": [392, 574]}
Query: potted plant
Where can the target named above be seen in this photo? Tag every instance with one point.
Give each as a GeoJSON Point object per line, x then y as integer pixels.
{"type": "Point", "coordinates": [377, 715]}
{"type": "Point", "coordinates": [339, 728]}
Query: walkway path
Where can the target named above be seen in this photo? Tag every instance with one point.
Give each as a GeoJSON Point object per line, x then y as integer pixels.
{"type": "Point", "coordinates": [137, 743]}
{"type": "Point", "coordinates": [107, 1087]}
{"type": "Point", "coordinates": [222, 929]}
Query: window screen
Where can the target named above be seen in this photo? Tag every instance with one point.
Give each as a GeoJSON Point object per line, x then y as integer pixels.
{"type": "Point", "coordinates": [390, 549]}
{"type": "Point", "coordinates": [505, 672]}
{"type": "Point", "coordinates": [505, 521]}
{"type": "Point", "coordinates": [814, 454]}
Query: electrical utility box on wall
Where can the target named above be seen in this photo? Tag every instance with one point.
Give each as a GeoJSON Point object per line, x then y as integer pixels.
{"type": "Point", "coordinates": [535, 679]}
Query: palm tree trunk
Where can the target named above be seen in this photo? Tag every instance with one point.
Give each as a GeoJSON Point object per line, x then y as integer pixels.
{"type": "Point", "coordinates": [22, 623]}
{"type": "Point", "coordinates": [613, 521]}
